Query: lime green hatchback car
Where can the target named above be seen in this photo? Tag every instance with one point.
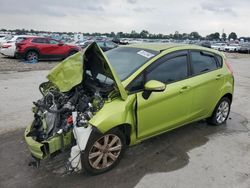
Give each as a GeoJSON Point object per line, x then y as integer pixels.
{"type": "Point", "coordinates": [97, 104]}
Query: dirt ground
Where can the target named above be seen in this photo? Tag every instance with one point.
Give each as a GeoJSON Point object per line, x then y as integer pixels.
{"type": "Point", "coordinates": [193, 156]}
{"type": "Point", "coordinates": [12, 64]}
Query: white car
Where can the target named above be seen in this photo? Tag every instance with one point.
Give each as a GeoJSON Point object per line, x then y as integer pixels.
{"type": "Point", "coordinates": [218, 46]}
{"type": "Point", "coordinates": [9, 48]}
{"type": "Point", "coordinates": [4, 38]}
{"type": "Point", "coordinates": [232, 48]}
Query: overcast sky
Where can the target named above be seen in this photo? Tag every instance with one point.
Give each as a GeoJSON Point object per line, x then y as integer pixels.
{"type": "Point", "coordinates": [156, 16]}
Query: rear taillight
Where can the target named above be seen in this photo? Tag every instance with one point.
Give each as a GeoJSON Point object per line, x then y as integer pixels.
{"type": "Point", "coordinates": [6, 45]}
{"type": "Point", "coordinates": [229, 67]}
{"type": "Point", "coordinates": [19, 45]}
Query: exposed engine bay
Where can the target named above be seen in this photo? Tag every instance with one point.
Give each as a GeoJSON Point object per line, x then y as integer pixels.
{"type": "Point", "coordinates": [53, 113]}
{"type": "Point", "coordinates": [77, 89]}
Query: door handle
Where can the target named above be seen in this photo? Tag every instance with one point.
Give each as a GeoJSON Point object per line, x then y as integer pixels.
{"type": "Point", "coordinates": [185, 88]}
{"type": "Point", "coordinates": [219, 76]}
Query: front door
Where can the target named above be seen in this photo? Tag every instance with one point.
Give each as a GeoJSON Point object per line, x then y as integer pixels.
{"type": "Point", "coordinates": [165, 110]}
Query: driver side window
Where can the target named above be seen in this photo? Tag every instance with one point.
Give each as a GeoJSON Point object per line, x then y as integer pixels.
{"type": "Point", "coordinates": [170, 70]}
{"type": "Point", "coordinates": [136, 85]}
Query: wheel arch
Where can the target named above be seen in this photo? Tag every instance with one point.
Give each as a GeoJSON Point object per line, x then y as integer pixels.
{"type": "Point", "coordinates": [126, 129]}
{"type": "Point", "coordinates": [229, 96]}
{"type": "Point", "coordinates": [31, 49]}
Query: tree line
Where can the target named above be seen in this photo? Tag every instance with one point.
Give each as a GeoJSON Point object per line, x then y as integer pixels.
{"type": "Point", "coordinates": [143, 34]}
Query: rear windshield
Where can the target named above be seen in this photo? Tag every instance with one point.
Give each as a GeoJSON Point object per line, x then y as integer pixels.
{"type": "Point", "coordinates": [126, 60]}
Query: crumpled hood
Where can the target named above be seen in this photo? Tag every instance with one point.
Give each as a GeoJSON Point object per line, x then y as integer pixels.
{"type": "Point", "coordinates": [70, 72]}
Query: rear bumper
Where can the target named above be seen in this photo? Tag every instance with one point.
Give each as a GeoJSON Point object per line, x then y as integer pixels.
{"type": "Point", "coordinates": [7, 52]}
{"type": "Point", "coordinates": [44, 149]}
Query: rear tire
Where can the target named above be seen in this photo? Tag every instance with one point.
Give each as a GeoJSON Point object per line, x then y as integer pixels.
{"type": "Point", "coordinates": [31, 56]}
{"type": "Point", "coordinates": [221, 112]}
{"type": "Point", "coordinates": [103, 151]}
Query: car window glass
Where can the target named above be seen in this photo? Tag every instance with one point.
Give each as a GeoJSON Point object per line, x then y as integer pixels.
{"type": "Point", "coordinates": [169, 71]}
{"type": "Point", "coordinates": [136, 85]}
{"type": "Point", "coordinates": [101, 44]}
{"type": "Point", "coordinates": [202, 62]}
{"type": "Point", "coordinates": [39, 40]}
{"type": "Point", "coordinates": [53, 42]}
{"type": "Point", "coordinates": [19, 39]}
{"type": "Point", "coordinates": [126, 60]}
{"type": "Point", "coordinates": [220, 60]}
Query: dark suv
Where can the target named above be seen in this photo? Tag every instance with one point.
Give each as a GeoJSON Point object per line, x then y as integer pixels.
{"type": "Point", "coordinates": [35, 48]}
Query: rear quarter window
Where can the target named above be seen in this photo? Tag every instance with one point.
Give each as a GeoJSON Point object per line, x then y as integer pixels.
{"type": "Point", "coordinates": [219, 60]}
{"type": "Point", "coordinates": [203, 62]}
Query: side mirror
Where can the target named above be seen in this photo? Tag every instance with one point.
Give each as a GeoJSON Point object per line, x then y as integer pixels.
{"type": "Point", "coordinates": [60, 44]}
{"type": "Point", "coordinates": [153, 86]}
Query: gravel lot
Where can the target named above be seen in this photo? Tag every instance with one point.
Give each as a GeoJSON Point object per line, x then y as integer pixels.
{"type": "Point", "coordinates": [11, 64]}
{"type": "Point", "coordinates": [192, 156]}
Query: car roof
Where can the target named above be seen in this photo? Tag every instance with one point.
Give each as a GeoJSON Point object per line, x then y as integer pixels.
{"type": "Point", "coordinates": [154, 46]}
{"type": "Point", "coordinates": [17, 36]}
{"type": "Point", "coordinates": [165, 46]}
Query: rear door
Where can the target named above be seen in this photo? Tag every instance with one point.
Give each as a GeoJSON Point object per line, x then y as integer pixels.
{"type": "Point", "coordinates": [207, 82]}
{"type": "Point", "coordinates": [42, 45]}
{"type": "Point", "coordinates": [55, 48]}
{"type": "Point", "coordinates": [165, 110]}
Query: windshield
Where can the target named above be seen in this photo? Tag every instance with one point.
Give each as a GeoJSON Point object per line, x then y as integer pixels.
{"type": "Point", "coordinates": [126, 60]}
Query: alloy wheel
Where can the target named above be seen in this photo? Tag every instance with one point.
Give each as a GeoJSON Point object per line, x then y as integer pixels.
{"type": "Point", "coordinates": [32, 56]}
{"type": "Point", "coordinates": [222, 112]}
{"type": "Point", "coordinates": [105, 151]}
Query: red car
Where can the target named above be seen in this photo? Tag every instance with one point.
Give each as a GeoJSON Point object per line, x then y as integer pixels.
{"type": "Point", "coordinates": [35, 48]}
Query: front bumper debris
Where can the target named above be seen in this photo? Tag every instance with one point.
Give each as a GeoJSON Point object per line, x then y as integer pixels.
{"type": "Point", "coordinates": [50, 146]}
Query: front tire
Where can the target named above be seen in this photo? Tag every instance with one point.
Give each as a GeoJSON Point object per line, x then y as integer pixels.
{"type": "Point", "coordinates": [221, 112]}
{"type": "Point", "coordinates": [103, 151]}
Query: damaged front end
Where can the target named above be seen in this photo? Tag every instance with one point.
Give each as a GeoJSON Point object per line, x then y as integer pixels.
{"type": "Point", "coordinates": [77, 89]}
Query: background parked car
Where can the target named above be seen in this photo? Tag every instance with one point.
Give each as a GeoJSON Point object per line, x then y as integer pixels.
{"type": "Point", "coordinates": [218, 46]}
{"type": "Point", "coordinates": [2, 38]}
{"type": "Point", "coordinates": [120, 41]}
{"type": "Point", "coordinates": [35, 48]}
{"type": "Point", "coordinates": [245, 48]}
{"type": "Point", "coordinates": [232, 48]}
{"type": "Point", "coordinates": [9, 47]}
{"type": "Point", "coordinates": [206, 44]}
{"type": "Point", "coordinates": [106, 45]}
{"type": "Point", "coordinates": [83, 44]}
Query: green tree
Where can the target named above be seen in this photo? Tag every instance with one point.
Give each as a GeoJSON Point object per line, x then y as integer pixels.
{"type": "Point", "coordinates": [232, 35]}
{"type": "Point", "coordinates": [214, 36]}
{"type": "Point", "coordinates": [177, 35]}
{"type": "Point", "coordinates": [195, 35]}
{"type": "Point", "coordinates": [144, 34]}
{"type": "Point", "coordinates": [112, 34]}
{"type": "Point", "coordinates": [224, 36]}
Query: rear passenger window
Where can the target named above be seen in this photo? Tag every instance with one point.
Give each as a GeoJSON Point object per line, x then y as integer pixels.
{"type": "Point", "coordinates": [203, 62]}
{"type": "Point", "coordinates": [39, 40]}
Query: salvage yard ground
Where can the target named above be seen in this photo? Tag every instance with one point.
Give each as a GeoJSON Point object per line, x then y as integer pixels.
{"type": "Point", "coordinates": [193, 156]}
